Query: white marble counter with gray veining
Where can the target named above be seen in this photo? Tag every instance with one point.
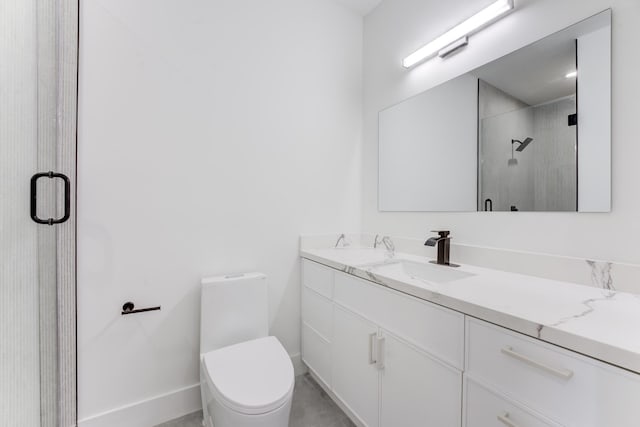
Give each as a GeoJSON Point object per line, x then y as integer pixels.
{"type": "Point", "coordinates": [600, 323]}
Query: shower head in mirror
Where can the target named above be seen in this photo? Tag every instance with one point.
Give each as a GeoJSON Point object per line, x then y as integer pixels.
{"type": "Point", "coordinates": [523, 144]}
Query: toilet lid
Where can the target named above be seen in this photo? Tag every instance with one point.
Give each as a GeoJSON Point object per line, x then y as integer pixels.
{"type": "Point", "coordinates": [253, 377]}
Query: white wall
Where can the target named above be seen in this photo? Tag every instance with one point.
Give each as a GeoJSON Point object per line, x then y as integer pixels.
{"type": "Point", "coordinates": [397, 27]}
{"type": "Point", "coordinates": [212, 134]}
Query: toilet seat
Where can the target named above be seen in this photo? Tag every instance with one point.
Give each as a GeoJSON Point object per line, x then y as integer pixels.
{"type": "Point", "coordinates": [253, 377]}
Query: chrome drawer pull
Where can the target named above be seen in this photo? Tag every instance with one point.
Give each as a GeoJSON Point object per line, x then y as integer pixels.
{"type": "Point", "coordinates": [504, 419]}
{"type": "Point", "coordinates": [562, 373]}
{"type": "Point", "coordinates": [372, 346]}
{"type": "Point", "coordinates": [380, 347]}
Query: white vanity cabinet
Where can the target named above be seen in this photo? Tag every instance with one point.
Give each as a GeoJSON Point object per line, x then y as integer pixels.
{"type": "Point", "coordinates": [396, 360]}
{"type": "Point", "coordinates": [393, 360]}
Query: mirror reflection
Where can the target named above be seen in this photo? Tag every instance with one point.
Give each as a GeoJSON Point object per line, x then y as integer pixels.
{"type": "Point", "coordinates": [527, 132]}
{"type": "Point", "coordinates": [528, 129]}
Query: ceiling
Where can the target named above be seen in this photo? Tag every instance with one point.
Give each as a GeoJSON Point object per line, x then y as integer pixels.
{"type": "Point", "coordinates": [536, 73]}
{"type": "Point", "coordinates": [363, 7]}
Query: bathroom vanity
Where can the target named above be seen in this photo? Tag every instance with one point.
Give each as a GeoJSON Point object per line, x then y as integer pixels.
{"type": "Point", "coordinates": [401, 342]}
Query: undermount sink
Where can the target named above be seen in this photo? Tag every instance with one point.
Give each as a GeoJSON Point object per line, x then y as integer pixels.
{"type": "Point", "coordinates": [429, 272]}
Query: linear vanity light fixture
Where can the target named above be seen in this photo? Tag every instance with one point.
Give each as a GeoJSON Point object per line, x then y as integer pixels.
{"type": "Point", "coordinates": [456, 37]}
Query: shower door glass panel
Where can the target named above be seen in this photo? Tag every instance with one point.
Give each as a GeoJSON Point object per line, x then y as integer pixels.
{"type": "Point", "coordinates": [28, 140]}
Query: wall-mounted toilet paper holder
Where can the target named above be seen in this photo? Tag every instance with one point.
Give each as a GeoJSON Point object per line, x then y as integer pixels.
{"type": "Point", "coordinates": [129, 308]}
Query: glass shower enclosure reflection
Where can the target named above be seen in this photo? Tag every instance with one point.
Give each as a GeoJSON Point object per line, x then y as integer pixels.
{"type": "Point", "coordinates": [528, 153]}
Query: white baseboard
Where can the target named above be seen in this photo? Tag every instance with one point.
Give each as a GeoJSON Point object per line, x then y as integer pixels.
{"type": "Point", "coordinates": [162, 408]}
{"type": "Point", "coordinates": [150, 412]}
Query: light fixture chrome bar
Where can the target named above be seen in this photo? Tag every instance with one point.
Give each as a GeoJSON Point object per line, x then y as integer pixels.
{"type": "Point", "coordinates": [458, 44]}
{"type": "Point", "coordinates": [478, 21]}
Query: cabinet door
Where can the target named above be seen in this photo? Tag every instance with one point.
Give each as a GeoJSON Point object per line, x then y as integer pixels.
{"type": "Point", "coordinates": [435, 329]}
{"type": "Point", "coordinates": [355, 375]}
{"type": "Point", "coordinates": [416, 389]}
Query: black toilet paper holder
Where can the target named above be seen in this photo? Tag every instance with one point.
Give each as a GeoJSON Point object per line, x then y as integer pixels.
{"type": "Point", "coordinates": [129, 308]}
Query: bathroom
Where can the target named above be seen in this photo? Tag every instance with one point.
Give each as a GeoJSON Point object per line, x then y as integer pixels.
{"type": "Point", "coordinates": [199, 139]}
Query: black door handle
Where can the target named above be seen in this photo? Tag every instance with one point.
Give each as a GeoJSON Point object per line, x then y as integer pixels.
{"type": "Point", "coordinates": [34, 198]}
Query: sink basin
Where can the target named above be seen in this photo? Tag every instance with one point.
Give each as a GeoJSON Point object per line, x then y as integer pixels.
{"type": "Point", "coordinates": [426, 271]}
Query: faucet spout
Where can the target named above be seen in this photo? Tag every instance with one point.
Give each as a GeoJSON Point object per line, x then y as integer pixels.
{"type": "Point", "coordinates": [388, 244]}
{"type": "Point", "coordinates": [342, 239]}
{"type": "Point", "coordinates": [433, 241]}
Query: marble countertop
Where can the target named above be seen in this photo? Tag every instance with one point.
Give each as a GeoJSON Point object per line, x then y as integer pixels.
{"type": "Point", "coordinates": [599, 323]}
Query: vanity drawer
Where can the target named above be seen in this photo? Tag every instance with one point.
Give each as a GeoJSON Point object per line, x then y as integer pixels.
{"type": "Point", "coordinates": [317, 312]}
{"type": "Point", "coordinates": [317, 277]}
{"type": "Point", "coordinates": [434, 329]}
{"type": "Point", "coordinates": [485, 408]}
{"type": "Point", "coordinates": [316, 354]}
{"type": "Point", "coordinates": [571, 389]}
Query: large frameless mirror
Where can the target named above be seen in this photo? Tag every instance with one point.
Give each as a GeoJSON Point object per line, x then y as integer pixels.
{"type": "Point", "coordinates": [530, 131]}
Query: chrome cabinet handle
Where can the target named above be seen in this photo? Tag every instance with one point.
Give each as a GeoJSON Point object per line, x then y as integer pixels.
{"type": "Point", "coordinates": [372, 346]}
{"type": "Point", "coordinates": [558, 372]}
{"type": "Point", "coordinates": [504, 419]}
{"type": "Point", "coordinates": [380, 357]}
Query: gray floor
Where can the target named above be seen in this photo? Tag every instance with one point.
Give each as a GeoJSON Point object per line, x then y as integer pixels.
{"type": "Point", "coordinates": [311, 407]}
{"type": "Point", "coordinates": [191, 420]}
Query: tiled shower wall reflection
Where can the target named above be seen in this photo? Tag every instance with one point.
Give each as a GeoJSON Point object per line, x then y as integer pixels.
{"type": "Point", "coordinates": [544, 176]}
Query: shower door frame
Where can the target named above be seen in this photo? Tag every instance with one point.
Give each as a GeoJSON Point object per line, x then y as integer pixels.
{"type": "Point", "coordinates": [67, 34]}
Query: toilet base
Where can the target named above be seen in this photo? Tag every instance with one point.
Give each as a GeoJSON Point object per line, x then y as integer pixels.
{"type": "Point", "coordinates": [221, 416]}
{"type": "Point", "coordinates": [217, 415]}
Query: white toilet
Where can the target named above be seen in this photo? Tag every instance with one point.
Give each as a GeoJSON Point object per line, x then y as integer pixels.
{"type": "Point", "coordinates": [246, 376]}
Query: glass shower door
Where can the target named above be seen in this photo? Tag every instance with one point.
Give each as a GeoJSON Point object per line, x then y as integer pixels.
{"type": "Point", "coordinates": [29, 143]}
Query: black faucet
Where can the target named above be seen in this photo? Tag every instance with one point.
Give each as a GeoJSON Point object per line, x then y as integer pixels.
{"type": "Point", "coordinates": [444, 245]}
